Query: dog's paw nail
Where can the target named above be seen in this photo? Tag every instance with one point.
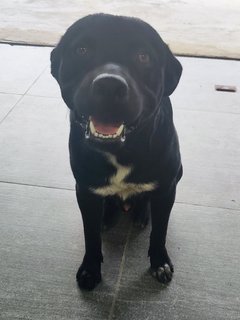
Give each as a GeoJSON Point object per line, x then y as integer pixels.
{"type": "Point", "coordinates": [168, 272]}
{"type": "Point", "coordinates": [163, 273]}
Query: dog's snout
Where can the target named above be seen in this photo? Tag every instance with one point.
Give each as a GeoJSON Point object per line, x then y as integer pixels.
{"type": "Point", "coordinates": [109, 86]}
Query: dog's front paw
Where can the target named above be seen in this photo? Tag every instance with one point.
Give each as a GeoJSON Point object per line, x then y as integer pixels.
{"type": "Point", "coordinates": [161, 265]}
{"type": "Point", "coordinates": [163, 273]}
{"type": "Point", "coordinates": [87, 280]}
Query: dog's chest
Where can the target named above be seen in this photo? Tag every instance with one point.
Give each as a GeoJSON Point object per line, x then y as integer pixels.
{"type": "Point", "coordinates": [117, 184]}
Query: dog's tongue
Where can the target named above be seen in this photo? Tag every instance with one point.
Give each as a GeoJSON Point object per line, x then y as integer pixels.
{"type": "Point", "coordinates": [104, 128]}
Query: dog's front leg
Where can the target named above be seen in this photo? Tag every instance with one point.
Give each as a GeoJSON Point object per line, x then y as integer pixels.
{"type": "Point", "coordinates": [161, 205]}
{"type": "Point", "coordinates": [91, 206]}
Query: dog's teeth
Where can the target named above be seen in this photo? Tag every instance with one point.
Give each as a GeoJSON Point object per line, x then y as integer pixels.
{"type": "Point", "coordinates": [92, 128]}
{"type": "Point", "coordinates": [105, 136]}
{"type": "Point", "coordinates": [120, 129]}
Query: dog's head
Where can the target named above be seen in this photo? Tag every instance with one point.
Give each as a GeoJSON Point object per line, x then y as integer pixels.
{"type": "Point", "coordinates": [113, 72]}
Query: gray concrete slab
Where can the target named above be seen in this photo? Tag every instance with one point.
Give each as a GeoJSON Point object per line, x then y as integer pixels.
{"type": "Point", "coordinates": [210, 150]}
{"type": "Point", "coordinates": [21, 66]}
{"type": "Point", "coordinates": [35, 132]}
{"type": "Point", "coordinates": [196, 90]}
{"type": "Point", "coordinates": [206, 280]}
{"type": "Point", "coordinates": [41, 247]}
{"type": "Point", "coordinates": [7, 102]}
{"type": "Point", "coordinates": [42, 243]}
{"type": "Point", "coordinates": [45, 86]}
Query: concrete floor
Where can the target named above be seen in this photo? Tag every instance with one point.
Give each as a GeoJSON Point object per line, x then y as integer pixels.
{"type": "Point", "coordinates": [41, 236]}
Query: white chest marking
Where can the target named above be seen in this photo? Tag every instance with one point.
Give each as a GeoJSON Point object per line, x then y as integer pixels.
{"type": "Point", "coordinates": [117, 185]}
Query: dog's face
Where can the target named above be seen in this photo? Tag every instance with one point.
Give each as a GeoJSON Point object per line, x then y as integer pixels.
{"type": "Point", "coordinates": [113, 72]}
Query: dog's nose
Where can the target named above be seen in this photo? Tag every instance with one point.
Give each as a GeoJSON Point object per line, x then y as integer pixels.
{"type": "Point", "coordinates": [110, 86]}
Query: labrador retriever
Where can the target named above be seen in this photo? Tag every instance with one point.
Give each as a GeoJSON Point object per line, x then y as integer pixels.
{"type": "Point", "coordinates": [116, 75]}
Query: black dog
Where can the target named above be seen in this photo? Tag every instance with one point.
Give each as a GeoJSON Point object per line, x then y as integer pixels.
{"type": "Point", "coordinates": [116, 75]}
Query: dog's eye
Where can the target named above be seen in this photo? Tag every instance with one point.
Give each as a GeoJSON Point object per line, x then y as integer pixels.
{"type": "Point", "coordinates": [143, 57]}
{"type": "Point", "coordinates": [81, 51]}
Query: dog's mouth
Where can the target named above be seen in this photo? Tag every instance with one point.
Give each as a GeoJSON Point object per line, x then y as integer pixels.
{"type": "Point", "coordinates": [108, 132]}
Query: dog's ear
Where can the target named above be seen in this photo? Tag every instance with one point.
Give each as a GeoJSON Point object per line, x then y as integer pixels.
{"type": "Point", "coordinates": [55, 62]}
{"type": "Point", "coordinates": [173, 71]}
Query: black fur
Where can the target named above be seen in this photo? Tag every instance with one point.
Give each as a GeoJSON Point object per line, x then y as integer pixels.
{"type": "Point", "coordinates": [144, 73]}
